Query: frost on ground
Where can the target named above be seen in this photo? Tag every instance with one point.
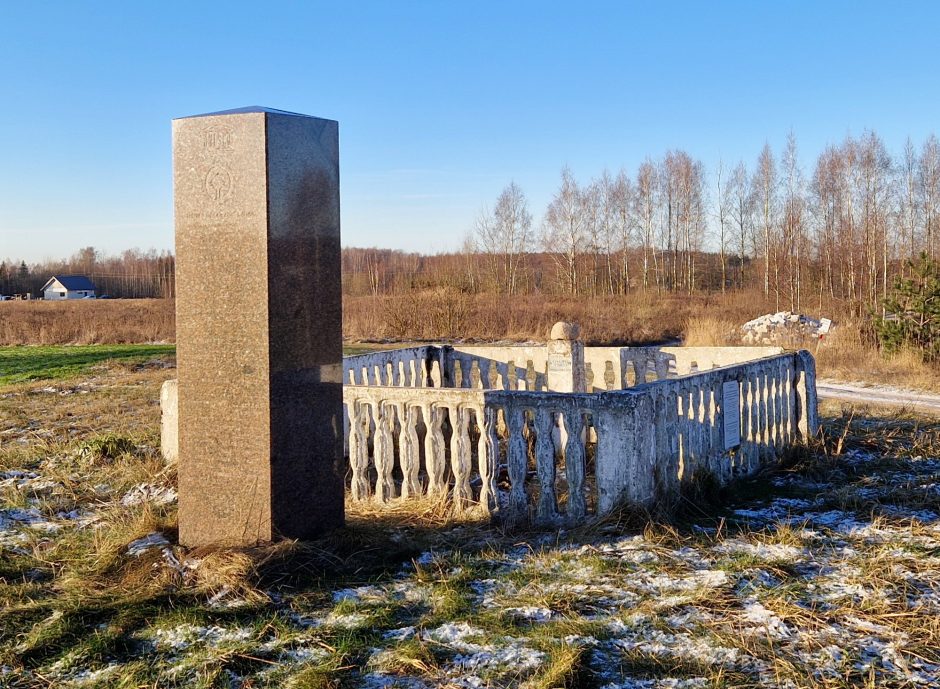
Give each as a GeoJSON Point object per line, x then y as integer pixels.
{"type": "Point", "coordinates": [829, 577]}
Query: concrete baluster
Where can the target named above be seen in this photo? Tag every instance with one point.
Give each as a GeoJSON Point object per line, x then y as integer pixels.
{"type": "Point", "coordinates": [487, 456]}
{"type": "Point", "coordinates": [808, 365]}
{"type": "Point", "coordinates": [409, 450]}
{"type": "Point", "coordinates": [484, 365]}
{"type": "Point", "coordinates": [434, 453]}
{"type": "Point", "coordinates": [517, 461]}
{"type": "Point", "coordinates": [359, 450]}
{"type": "Point", "coordinates": [799, 399]}
{"type": "Point", "coordinates": [574, 464]}
{"type": "Point", "coordinates": [384, 452]}
{"type": "Point", "coordinates": [460, 457]}
{"type": "Point", "coordinates": [547, 509]}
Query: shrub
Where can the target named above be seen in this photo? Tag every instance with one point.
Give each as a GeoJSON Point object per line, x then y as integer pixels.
{"type": "Point", "coordinates": [912, 311]}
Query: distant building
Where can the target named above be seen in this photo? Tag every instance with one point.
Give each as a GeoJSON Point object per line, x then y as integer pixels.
{"type": "Point", "coordinates": [68, 287]}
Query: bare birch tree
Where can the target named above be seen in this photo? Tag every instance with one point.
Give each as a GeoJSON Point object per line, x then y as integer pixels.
{"type": "Point", "coordinates": [505, 236]}
{"type": "Point", "coordinates": [646, 205]}
{"type": "Point", "coordinates": [740, 206]}
{"type": "Point", "coordinates": [765, 192]}
{"type": "Point", "coordinates": [563, 231]}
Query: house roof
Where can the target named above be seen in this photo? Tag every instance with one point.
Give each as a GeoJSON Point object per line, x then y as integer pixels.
{"type": "Point", "coordinates": [72, 282]}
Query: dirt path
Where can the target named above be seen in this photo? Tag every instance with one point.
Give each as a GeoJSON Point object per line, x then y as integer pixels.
{"type": "Point", "coordinates": [879, 394]}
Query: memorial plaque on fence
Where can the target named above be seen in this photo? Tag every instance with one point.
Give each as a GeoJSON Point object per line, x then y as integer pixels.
{"type": "Point", "coordinates": [731, 408]}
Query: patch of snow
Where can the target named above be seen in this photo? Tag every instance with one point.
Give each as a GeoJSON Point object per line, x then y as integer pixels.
{"type": "Point", "coordinates": [184, 636]}
{"type": "Point", "coordinates": [352, 620]}
{"type": "Point", "coordinates": [399, 634]}
{"type": "Point", "coordinates": [507, 652]}
{"type": "Point", "coordinates": [357, 595]}
{"type": "Point", "coordinates": [379, 680]}
{"type": "Point", "coordinates": [29, 517]}
{"type": "Point", "coordinates": [149, 492]}
{"type": "Point", "coordinates": [142, 545]}
{"type": "Point", "coordinates": [26, 482]}
{"type": "Point", "coordinates": [768, 623]}
{"type": "Point", "coordinates": [530, 612]}
{"type": "Point", "coordinates": [660, 683]}
{"type": "Point", "coordinates": [425, 559]}
{"type": "Point", "coordinates": [769, 552]}
{"type": "Point", "coordinates": [682, 646]}
{"type": "Point", "coordinates": [455, 635]}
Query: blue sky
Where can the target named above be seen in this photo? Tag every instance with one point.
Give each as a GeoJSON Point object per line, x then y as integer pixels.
{"type": "Point", "coordinates": [440, 104]}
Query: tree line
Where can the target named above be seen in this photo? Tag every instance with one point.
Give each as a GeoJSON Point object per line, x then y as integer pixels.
{"type": "Point", "coordinates": [843, 230]}
{"type": "Point", "coordinates": [129, 275]}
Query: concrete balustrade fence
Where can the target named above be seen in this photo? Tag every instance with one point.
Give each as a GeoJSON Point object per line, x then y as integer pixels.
{"type": "Point", "coordinates": [484, 431]}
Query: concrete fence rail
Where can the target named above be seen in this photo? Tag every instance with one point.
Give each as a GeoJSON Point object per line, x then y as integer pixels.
{"type": "Point", "coordinates": [526, 367]}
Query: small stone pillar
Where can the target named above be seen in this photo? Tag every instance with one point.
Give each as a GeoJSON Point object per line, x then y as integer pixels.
{"type": "Point", "coordinates": [565, 358]}
{"type": "Point", "coordinates": [258, 326]}
{"type": "Point", "coordinates": [169, 421]}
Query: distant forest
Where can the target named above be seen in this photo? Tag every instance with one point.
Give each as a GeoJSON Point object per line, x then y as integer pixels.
{"type": "Point", "coordinates": [842, 230]}
{"type": "Point", "coordinates": [132, 274]}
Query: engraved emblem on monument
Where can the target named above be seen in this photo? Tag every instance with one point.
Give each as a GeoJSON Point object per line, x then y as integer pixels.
{"type": "Point", "coordinates": [218, 183]}
{"type": "Point", "coordinates": [217, 139]}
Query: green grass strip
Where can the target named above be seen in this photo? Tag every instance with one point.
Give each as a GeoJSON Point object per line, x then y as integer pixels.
{"type": "Point", "coordinates": [25, 363]}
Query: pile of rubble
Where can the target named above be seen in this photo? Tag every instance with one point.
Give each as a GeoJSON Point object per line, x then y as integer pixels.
{"type": "Point", "coordinates": [784, 328]}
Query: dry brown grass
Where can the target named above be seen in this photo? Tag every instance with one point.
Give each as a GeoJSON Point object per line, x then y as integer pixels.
{"type": "Point", "coordinates": [636, 318]}
{"type": "Point", "coordinates": [851, 355]}
{"type": "Point", "coordinates": [711, 331]}
{"type": "Point", "coordinates": [87, 321]}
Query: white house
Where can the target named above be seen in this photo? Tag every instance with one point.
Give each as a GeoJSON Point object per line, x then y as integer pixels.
{"type": "Point", "coordinates": [68, 287]}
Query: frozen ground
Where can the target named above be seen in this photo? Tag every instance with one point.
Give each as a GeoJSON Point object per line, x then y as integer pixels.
{"type": "Point", "coordinates": [823, 575]}
{"type": "Point", "coordinates": [880, 394]}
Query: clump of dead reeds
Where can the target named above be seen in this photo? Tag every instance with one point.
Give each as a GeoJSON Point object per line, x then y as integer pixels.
{"type": "Point", "coordinates": [711, 331]}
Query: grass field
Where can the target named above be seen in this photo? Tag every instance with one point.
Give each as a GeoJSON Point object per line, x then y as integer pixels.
{"type": "Point", "coordinates": [822, 574]}
{"type": "Point", "coordinates": [20, 364]}
{"type": "Point", "coordinates": [27, 363]}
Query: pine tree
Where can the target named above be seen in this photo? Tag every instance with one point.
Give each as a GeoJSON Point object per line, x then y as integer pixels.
{"type": "Point", "coordinates": [912, 311]}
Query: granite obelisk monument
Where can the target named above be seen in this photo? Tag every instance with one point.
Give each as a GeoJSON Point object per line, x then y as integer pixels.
{"type": "Point", "coordinates": [258, 326]}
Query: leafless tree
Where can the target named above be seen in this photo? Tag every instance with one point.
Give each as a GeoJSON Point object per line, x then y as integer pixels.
{"type": "Point", "coordinates": [621, 199]}
{"type": "Point", "coordinates": [563, 231]}
{"type": "Point", "coordinates": [505, 236]}
{"type": "Point", "coordinates": [740, 205]}
{"type": "Point", "coordinates": [764, 186]}
{"type": "Point", "coordinates": [723, 202]}
{"type": "Point", "coordinates": [647, 208]}
{"type": "Point", "coordinates": [792, 244]}
{"type": "Point", "coordinates": [908, 210]}
{"type": "Point", "coordinates": [928, 183]}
